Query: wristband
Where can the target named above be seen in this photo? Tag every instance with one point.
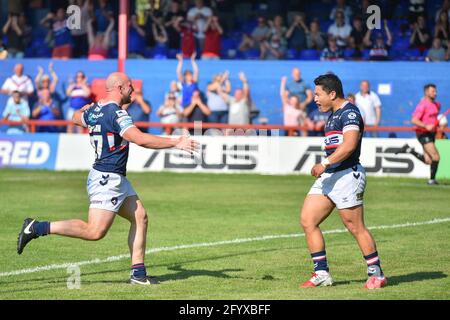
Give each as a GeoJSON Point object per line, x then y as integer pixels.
{"type": "Point", "coordinates": [325, 162]}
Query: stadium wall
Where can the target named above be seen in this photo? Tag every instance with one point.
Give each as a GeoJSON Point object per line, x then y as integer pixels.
{"type": "Point", "coordinates": [262, 155]}
{"type": "Point", "coordinates": [398, 83]}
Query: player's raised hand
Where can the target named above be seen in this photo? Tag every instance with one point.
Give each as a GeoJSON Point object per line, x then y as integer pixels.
{"type": "Point", "coordinates": [179, 56]}
{"type": "Point", "coordinates": [185, 143]}
{"type": "Point", "coordinates": [317, 170]}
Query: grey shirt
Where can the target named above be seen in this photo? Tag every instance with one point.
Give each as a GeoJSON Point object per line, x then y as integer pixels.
{"type": "Point", "coordinates": [298, 88]}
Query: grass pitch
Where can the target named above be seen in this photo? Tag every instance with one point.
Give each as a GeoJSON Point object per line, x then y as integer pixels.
{"type": "Point", "coordinates": [187, 209]}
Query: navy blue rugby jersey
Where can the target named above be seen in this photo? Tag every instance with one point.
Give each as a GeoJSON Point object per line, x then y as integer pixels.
{"type": "Point", "coordinates": [107, 123]}
{"type": "Point", "coordinates": [346, 118]}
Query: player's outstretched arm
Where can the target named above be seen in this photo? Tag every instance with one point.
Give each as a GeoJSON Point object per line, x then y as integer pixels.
{"type": "Point", "coordinates": [150, 141]}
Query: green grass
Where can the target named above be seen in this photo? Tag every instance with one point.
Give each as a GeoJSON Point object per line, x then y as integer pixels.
{"type": "Point", "coordinates": [196, 208]}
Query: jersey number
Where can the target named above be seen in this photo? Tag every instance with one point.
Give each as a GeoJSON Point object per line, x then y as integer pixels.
{"type": "Point", "coordinates": [97, 141]}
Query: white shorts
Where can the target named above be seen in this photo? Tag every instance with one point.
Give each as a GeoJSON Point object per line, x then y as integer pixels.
{"type": "Point", "coordinates": [345, 188]}
{"type": "Point", "coordinates": [108, 190]}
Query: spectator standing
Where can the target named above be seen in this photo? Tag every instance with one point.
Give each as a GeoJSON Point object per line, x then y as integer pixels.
{"type": "Point", "coordinates": [213, 34]}
{"type": "Point", "coordinates": [160, 33]}
{"type": "Point", "coordinates": [46, 109]}
{"type": "Point", "coordinates": [332, 52]}
{"type": "Point", "coordinates": [357, 36]}
{"type": "Point", "coordinates": [42, 81]}
{"type": "Point", "coordinates": [300, 88]}
{"type": "Point", "coordinates": [340, 30]}
{"type": "Point", "coordinates": [79, 94]}
{"type": "Point", "coordinates": [136, 38]}
{"type": "Point", "coordinates": [293, 114]}
{"type": "Point", "coordinates": [442, 28]}
{"type": "Point", "coordinates": [437, 52]}
{"type": "Point", "coordinates": [139, 109]}
{"type": "Point", "coordinates": [420, 37]}
{"type": "Point", "coordinates": [444, 8]}
{"type": "Point", "coordinates": [17, 109]}
{"type": "Point", "coordinates": [240, 104]}
{"type": "Point", "coordinates": [199, 15]}
{"type": "Point", "coordinates": [296, 34]}
{"type": "Point", "coordinates": [186, 30]}
{"type": "Point", "coordinates": [369, 104]}
{"type": "Point", "coordinates": [170, 21]}
{"type": "Point", "coordinates": [103, 13]}
{"type": "Point", "coordinates": [14, 35]}
{"type": "Point", "coordinates": [99, 42]}
{"type": "Point", "coordinates": [62, 38]}
{"type": "Point", "coordinates": [18, 82]}
{"type": "Point", "coordinates": [217, 92]}
{"type": "Point", "coordinates": [188, 80]}
{"type": "Point", "coordinates": [315, 39]}
{"type": "Point", "coordinates": [379, 48]}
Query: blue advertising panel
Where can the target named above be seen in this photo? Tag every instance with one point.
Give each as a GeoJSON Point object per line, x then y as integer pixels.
{"type": "Point", "coordinates": [30, 151]}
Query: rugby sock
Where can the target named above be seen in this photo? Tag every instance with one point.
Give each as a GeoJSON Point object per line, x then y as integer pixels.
{"type": "Point", "coordinates": [138, 270]}
{"type": "Point", "coordinates": [320, 261]}
{"type": "Point", "coordinates": [42, 228]}
{"type": "Point", "coordinates": [433, 170]}
{"type": "Point", "coordinates": [373, 260]}
{"type": "Point", "coordinates": [418, 155]}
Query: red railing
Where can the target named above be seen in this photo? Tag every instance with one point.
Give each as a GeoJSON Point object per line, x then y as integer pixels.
{"type": "Point", "coordinates": [32, 124]}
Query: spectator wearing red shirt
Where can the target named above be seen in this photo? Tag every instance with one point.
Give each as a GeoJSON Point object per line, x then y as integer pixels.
{"type": "Point", "coordinates": [213, 33]}
{"type": "Point", "coordinates": [425, 117]}
{"type": "Point", "coordinates": [187, 30]}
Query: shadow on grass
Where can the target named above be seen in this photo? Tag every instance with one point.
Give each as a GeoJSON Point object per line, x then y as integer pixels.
{"type": "Point", "coordinates": [181, 273]}
{"type": "Point", "coordinates": [404, 278]}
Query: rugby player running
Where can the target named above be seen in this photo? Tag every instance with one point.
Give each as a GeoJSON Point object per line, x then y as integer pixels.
{"type": "Point", "coordinates": [110, 193]}
{"type": "Point", "coordinates": [340, 183]}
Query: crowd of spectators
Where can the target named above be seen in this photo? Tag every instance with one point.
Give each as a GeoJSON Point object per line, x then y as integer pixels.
{"type": "Point", "coordinates": [185, 100]}
{"type": "Point", "coordinates": [335, 30]}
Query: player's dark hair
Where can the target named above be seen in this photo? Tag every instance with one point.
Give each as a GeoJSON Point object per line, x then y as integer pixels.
{"type": "Point", "coordinates": [330, 82]}
{"type": "Point", "coordinates": [429, 85]}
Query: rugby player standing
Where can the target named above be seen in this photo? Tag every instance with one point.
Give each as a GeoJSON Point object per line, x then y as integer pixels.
{"type": "Point", "coordinates": [110, 193]}
{"type": "Point", "coordinates": [425, 117]}
{"type": "Point", "coordinates": [340, 183]}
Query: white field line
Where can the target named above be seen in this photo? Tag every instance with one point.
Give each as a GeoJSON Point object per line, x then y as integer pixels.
{"type": "Point", "coordinates": [210, 244]}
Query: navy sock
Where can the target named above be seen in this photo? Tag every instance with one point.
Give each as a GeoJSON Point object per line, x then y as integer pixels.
{"type": "Point", "coordinates": [138, 270]}
{"type": "Point", "coordinates": [320, 260]}
{"type": "Point", "coordinates": [373, 260]}
{"type": "Point", "coordinates": [42, 228]}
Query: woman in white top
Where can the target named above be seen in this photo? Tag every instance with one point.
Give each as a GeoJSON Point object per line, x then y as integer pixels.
{"type": "Point", "coordinates": [170, 111]}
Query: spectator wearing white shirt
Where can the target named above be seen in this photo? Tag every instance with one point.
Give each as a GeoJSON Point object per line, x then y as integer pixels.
{"type": "Point", "coordinates": [340, 30]}
{"type": "Point", "coordinates": [369, 104]}
{"type": "Point", "coordinates": [18, 82]}
{"type": "Point", "coordinates": [199, 15]}
{"type": "Point", "coordinates": [170, 111]}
